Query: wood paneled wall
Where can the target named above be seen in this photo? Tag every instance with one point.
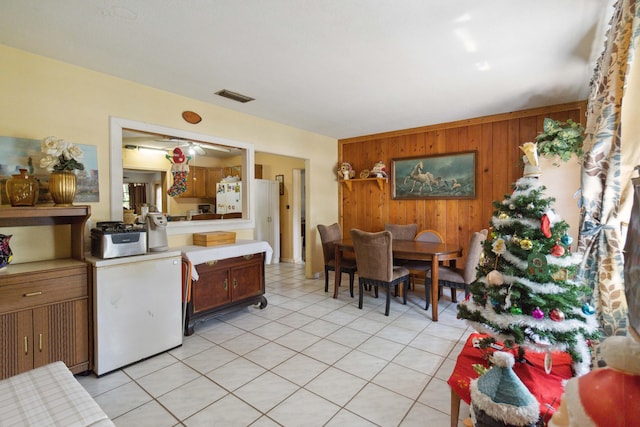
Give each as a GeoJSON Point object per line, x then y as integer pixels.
{"type": "Point", "coordinates": [499, 164]}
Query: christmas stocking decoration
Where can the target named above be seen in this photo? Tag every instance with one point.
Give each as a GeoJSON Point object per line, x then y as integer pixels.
{"type": "Point", "coordinates": [179, 183]}
{"type": "Point", "coordinates": [180, 172]}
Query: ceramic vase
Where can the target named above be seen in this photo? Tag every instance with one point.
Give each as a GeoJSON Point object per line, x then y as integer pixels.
{"type": "Point", "coordinates": [62, 187]}
{"type": "Point", "coordinates": [5, 251]}
{"type": "Point", "coordinates": [22, 189]}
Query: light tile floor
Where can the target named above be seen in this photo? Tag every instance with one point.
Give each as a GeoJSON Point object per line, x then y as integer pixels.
{"type": "Point", "coordinates": [305, 360]}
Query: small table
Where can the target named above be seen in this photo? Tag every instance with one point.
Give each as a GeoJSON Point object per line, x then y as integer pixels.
{"type": "Point", "coordinates": [546, 388]}
{"type": "Point", "coordinates": [413, 250]}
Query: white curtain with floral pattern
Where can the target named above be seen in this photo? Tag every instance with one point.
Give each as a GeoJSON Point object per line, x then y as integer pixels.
{"type": "Point", "coordinates": [605, 188]}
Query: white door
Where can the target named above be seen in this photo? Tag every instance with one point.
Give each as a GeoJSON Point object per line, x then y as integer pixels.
{"type": "Point", "coordinates": [268, 215]}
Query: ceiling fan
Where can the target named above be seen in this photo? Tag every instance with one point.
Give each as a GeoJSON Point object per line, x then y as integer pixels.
{"type": "Point", "coordinates": [192, 146]}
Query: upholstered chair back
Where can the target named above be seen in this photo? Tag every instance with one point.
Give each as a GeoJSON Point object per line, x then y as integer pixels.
{"type": "Point", "coordinates": [374, 254]}
{"type": "Point", "coordinates": [402, 231]}
{"type": "Point", "coordinates": [328, 235]}
{"type": "Point", "coordinates": [431, 236]}
{"type": "Point", "coordinates": [473, 255]}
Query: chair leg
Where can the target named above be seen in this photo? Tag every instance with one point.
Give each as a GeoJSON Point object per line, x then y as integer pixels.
{"type": "Point", "coordinates": [351, 278]}
{"type": "Point", "coordinates": [360, 292]}
{"type": "Point", "coordinates": [405, 285]}
{"type": "Point", "coordinates": [454, 294]}
{"type": "Point", "coordinates": [386, 309]}
{"type": "Point", "coordinates": [427, 293]}
{"type": "Point", "coordinates": [326, 279]}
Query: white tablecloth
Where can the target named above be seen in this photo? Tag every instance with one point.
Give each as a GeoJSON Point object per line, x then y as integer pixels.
{"type": "Point", "coordinates": [201, 254]}
{"type": "Point", "coordinates": [48, 396]}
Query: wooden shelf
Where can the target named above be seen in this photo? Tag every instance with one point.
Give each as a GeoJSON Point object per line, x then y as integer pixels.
{"type": "Point", "coordinates": [349, 182]}
{"type": "Point", "coordinates": [75, 216]}
{"type": "Point", "coordinates": [57, 317]}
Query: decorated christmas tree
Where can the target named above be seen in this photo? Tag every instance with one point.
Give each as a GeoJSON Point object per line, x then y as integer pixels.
{"type": "Point", "coordinates": [527, 294]}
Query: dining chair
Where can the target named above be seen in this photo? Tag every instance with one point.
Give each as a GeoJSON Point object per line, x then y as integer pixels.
{"type": "Point", "coordinates": [419, 268]}
{"type": "Point", "coordinates": [402, 231]}
{"type": "Point", "coordinates": [374, 259]}
{"type": "Point", "coordinates": [329, 234]}
{"type": "Point", "coordinates": [186, 292]}
{"type": "Point", "coordinates": [459, 278]}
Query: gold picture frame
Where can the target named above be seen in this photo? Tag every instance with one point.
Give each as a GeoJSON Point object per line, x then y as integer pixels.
{"type": "Point", "coordinates": [442, 176]}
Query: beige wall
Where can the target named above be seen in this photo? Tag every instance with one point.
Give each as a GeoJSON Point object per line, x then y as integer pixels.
{"type": "Point", "coordinates": [42, 97]}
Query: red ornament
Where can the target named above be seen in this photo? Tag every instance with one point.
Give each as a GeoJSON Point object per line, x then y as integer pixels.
{"type": "Point", "coordinates": [557, 250]}
{"type": "Point", "coordinates": [545, 225]}
{"type": "Point", "coordinates": [556, 315]}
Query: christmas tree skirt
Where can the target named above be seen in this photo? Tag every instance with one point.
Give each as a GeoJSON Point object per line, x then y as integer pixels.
{"type": "Point", "coordinates": [546, 388]}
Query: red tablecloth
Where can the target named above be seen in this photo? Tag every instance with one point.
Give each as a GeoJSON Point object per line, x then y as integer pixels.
{"type": "Point", "coordinates": [546, 388]}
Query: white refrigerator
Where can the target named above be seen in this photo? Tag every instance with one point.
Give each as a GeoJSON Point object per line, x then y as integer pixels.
{"type": "Point", "coordinates": [137, 308]}
{"type": "Point", "coordinates": [228, 197]}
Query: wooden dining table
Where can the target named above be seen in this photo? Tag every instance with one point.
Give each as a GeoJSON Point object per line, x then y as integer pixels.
{"type": "Point", "coordinates": [411, 250]}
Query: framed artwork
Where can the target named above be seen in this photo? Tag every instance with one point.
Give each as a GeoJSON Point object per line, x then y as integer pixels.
{"type": "Point", "coordinates": [23, 153]}
{"type": "Point", "coordinates": [442, 176]}
{"type": "Point", "coordinates": [280, 179]}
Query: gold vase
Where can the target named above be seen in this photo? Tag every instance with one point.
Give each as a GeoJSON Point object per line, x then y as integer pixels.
{"type": "Point", "coordinates": [62, 187]}
{"type": "Point", "coordinates": [22, 189]}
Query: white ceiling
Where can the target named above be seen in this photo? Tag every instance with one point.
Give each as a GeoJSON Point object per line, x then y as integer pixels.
{"type": "Point", "coordinates": [340, 68]}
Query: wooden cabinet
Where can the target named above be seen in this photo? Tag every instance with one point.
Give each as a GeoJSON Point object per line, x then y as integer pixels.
{"type": "Point", "coordinates": [44, 317]}
{"type": "Point", "coordinates": [224, 285]}
{"type": "Point", "coordinates": [196, 182]}
{"type": "Point", "coordinates": [232, 171]}
{"type": "Point", "coordinates": [44, 305]}
{"type": "Point", "coordinates": [202, 181]}
{"type": "Point", "coordinates": [214, 176]}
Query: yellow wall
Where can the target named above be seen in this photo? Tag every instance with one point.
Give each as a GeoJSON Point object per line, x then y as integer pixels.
{"type": "Point", "coordinates": [42, 97]}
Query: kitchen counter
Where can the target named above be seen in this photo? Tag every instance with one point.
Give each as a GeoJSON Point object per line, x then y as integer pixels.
{"type": "Point", "coordinates": [201, 254]}
{"type": "Point", "coordinates": [98, 262]}
{"type": "Point", "coordinates": [224, 278]}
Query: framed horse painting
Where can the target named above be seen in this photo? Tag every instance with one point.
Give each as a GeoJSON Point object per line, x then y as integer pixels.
{"type": "Point", "coordinates": [442, 176]}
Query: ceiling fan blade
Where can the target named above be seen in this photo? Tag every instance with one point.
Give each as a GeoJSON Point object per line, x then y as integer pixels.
{"type": "Point", "coordinates": [214, 147]}
{"type": "Point", "coordinates": [198, 148]}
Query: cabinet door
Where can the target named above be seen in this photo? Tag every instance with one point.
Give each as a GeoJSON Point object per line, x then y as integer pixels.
{"type": "Point", "coordinates": [214, 176]}
{"type": "Point", "coordinates": [212, 289]}
{"type": "Point", "coordinates": [200, 187]}
{"type": "Point", "coordinates": [247, 280]}
{"type": "Point", "coordinates": [232, 171]}
{"type": "Point", "coordinates": [60, 332]}
{"type": "Point", "coordinates": [16, 343]}
{"type": "Point", "coordinates": [196, 182]}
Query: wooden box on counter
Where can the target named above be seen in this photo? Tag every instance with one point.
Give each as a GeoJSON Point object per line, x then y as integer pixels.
{"type": "Point", "coordinates": [214, 238]}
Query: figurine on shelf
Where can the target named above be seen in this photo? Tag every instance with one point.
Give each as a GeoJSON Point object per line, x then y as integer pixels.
{"type": "Point", "coordinates": [379, 170]}
{"type": "Point", "coordinates": [6, 255]}
{"type": "Point", "coordinates": [346, 171]}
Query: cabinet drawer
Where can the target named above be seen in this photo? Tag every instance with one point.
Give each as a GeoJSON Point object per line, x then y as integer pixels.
{"type": "Point", "coordinates": [246, 260]}
{"type": "Point", "coordinates": [39, 292]}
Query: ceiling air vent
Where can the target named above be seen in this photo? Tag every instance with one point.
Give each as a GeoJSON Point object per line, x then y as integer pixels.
{"type": "Point", "coordinates": [234, 96]}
